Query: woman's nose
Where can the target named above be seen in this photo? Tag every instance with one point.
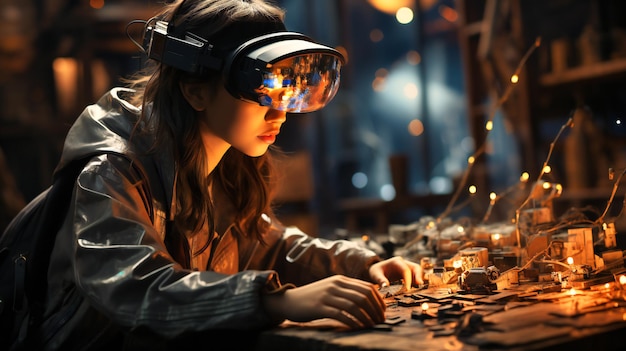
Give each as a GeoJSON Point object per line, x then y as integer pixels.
{"type": "Point", "coordinates": [275, 116]}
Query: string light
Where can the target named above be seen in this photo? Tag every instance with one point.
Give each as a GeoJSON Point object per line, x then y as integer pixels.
{"type": "Point", "coordinates": [545, 169]}
{"type": "Point", "coordinates": [610, 201]}
{"type": "Point", "coordinates": [493, 197]}
{"type": "Point", "coordinates": [489, 126]}
{"type": "Point", "coordinates": [492, 202]}
{"type": "Point", "coordinates": [524, 177]}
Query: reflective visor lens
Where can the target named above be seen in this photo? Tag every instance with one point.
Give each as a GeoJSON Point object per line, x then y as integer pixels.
{"type": "Point", "coordinates": [302, 83]}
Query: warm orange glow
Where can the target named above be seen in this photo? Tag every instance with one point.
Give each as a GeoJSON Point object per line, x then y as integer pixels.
{"type": "Point", "coordinates": [425, 306]}
{"type": "Point", "coordinates": [570, 260]}
{"type": "Point", "coordinates": [416, 127]}
{"type": "Point", "coordinates": [622, 279]}
{"type": "Point", "coordinates": [448, 13]}
{"type": "Point", "coordinates": [66, 79]}
{"type": "Point", "coordinates": [96, 4]}
{"type": "Point", "coordinates": [413, 57]}
{"type": "Point", "coordinates": [472, 189]}
{"type": "Point", "coordinates": [378, 84]}
{"type": "Point", "coordinates": [381, 72]}
{"type": "Point", "coordinates": [390, 6]}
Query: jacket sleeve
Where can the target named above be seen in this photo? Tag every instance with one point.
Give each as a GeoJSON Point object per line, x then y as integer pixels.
{"type": "Point", "coordinates": [121, 265]}
{"type": "Point", "coordinates": [300, 258]}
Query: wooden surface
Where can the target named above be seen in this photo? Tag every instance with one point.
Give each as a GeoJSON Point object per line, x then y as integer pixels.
{"type": "Point", "coordinates": [587, 320]}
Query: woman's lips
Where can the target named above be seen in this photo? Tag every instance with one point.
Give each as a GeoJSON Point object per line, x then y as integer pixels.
{"type": "Point", "coordinates": [269, 138]}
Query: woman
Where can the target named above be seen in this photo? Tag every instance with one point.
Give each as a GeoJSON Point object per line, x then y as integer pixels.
{"type": "Point", "coordinates": [170, 229]}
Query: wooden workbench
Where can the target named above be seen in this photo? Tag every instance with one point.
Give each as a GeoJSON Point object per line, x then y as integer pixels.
{"type": "Point", "coordinates": [501, 321]}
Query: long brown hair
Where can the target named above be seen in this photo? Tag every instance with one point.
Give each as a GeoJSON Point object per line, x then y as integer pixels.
{"type": "Point", "coordinates": [247, 181]}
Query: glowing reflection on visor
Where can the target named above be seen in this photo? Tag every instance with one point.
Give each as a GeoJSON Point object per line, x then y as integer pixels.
{"type": "Point", "coordinates": [302, 83]}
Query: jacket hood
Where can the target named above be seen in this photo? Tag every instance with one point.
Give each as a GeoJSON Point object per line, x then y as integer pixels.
{"type": "Point", "coordinates": [103, 127]}
{"type": "Point", "coordinates": [107, 127]}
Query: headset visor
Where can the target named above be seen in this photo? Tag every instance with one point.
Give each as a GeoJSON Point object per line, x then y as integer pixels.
{"type": "Point", "coordinates": [295, 75]}
{"type": "Point", "coordinates": [302, 83]}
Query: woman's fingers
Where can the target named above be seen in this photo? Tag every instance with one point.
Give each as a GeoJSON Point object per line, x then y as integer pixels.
{"type": "Point", "coordinates": [365, 296]}
{"type": "Point", "coordinates": [397, 268]}
{"type": "Point", "coordinates": [353, 302]}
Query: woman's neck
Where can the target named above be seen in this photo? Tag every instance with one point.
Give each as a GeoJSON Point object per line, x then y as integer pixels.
{"type": "Point", "coordinates": [214, 147]}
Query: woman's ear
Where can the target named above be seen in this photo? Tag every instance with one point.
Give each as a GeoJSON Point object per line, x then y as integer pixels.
{"type": "Point", "coordinates": [196, 94]}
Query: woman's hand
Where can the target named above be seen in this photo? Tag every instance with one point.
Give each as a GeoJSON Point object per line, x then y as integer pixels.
{"type": "Point", "coordinates": [397, 268]}
{"type": "Point", "coordinates": [354, 302]}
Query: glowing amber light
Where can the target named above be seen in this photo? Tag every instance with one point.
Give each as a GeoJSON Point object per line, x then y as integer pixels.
{"type": "Point", "coordinates": [622, 279]}
{"type": "Point", "coordinates": [524, 177]}
{"type": "Point", "coordinates": [496, 236]}
{"type": "Point", "coordinates": [96, 4]}
{"type": "Point", "coordinates": [378, 84]}
{"type": "Point", "coordinates": [413, 57]}
{"type": "Point", "coordinates": [416, 127]}
{"type": "Point", "coordinates": [489, 125]}
{"type": "Point", "coordinates": [404, 15]}
{"type": "Point", "coordinates": [472, 189]}
{"type": "Point", "coordinates": [471, 159]}
{"type": "Point", "coordinates": [448, 13]}
{"type": "Point", "coordinates": [390, 6]}
{"type": "Point", "coordinates": [546, 185]}
{"type": "Point", "coordinates": [492, 196]}
{"type": "Point", "coordinates": [381, 72]}
{"type": "Point", "coordinates": [514, 78]}
{"type": "Point", "coordinates": [425, 306]}
{"type": "Point", "coordinates": [570, 260]}
{"type": "Point", "coordinates": [365, 238]}
{"type": "Point", "coordinates": [547, 169]}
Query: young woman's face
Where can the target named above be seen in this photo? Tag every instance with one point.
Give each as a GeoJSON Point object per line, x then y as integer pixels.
{"type": "Point", "coordinates": [248, 127]}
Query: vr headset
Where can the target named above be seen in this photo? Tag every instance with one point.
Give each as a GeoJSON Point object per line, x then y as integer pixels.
{"type": "Point", "coordinates": [285, 71]}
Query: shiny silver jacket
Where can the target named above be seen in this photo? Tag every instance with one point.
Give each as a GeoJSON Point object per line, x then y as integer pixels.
{"type": "Point", "coordinates": [115, 271]}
